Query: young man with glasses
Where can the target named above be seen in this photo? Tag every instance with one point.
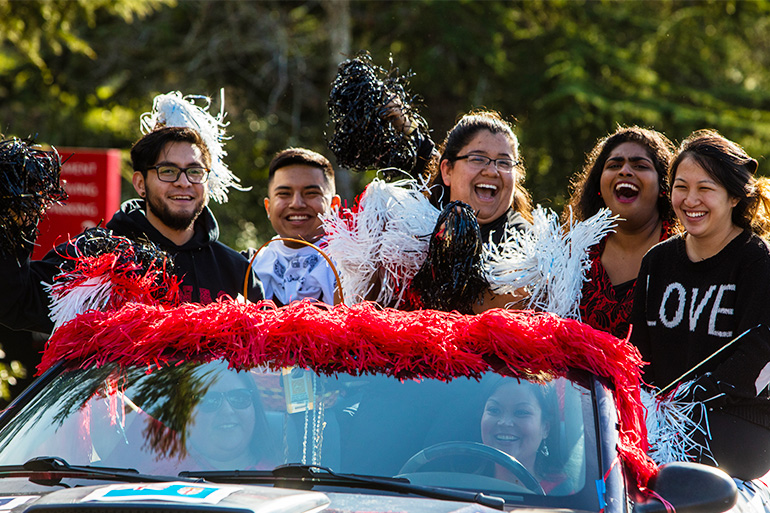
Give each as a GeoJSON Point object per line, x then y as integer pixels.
{"type": "Point", "coordinates": [171, 175]}
{"type": "Point", "coordinates": [172, 168]}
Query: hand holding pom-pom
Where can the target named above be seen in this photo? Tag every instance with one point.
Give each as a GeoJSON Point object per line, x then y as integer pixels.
{"type": "Point", "coordinates": [374, 118]}
{"type": "Point", "coordinates": [104, 271]}
{"type": "Point", "coordinates": [29, 185]}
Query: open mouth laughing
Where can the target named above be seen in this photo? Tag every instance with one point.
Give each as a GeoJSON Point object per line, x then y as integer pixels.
{"type": "Point", "coordinates": [298, 218]}
{"type": "Point", "coordinates": [486, 191]}
{"type": "Point", "coordinates": [181, 197]}
{"type": "Point", "coordinates": [626, 191]}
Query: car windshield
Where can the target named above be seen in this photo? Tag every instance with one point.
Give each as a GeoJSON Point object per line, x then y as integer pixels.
{"type": "Point", "coordinates": [201, 417]}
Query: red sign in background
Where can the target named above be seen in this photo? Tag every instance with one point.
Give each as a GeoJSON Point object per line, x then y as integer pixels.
{"type": "Point", "coordinates": [92, 180]}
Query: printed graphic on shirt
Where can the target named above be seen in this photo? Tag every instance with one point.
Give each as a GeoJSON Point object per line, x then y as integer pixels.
{"type": "Point", "coordinates": [291, 274]}
{"type": "Point", "coordinates": [696, 308]}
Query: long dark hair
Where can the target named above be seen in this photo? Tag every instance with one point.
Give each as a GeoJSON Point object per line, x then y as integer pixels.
{"type": "Point", "coordinates": [730, 166]}
{"type": "Point", "coordinates": [586, 200]}
{"type": "Point", "coordinates": [460, 136]}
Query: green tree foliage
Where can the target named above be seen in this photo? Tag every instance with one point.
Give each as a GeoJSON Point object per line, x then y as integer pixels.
{"type": "Point", "coordinates": [570, 71]}
{"type": "Point", "coordinates": [10, 372]}
{"type": "Point", "coordinates": [81, 72]}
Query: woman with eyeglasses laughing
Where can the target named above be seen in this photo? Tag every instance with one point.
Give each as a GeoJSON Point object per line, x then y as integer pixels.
{"type": "Point", "coordinates": [481, 166]}
{"type": "Point", "coordinates": [479, 173]}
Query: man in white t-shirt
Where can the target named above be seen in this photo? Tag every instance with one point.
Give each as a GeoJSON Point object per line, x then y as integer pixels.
{"type": "Point", "coordinates": [300, 186]}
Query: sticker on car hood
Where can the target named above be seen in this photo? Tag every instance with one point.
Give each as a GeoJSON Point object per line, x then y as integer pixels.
{"type": "Point", "coordinates": [173, 492]}
{"type": "Point", "coordinates": [8, 503]}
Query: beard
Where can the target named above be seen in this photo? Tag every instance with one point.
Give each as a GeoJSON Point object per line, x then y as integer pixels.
{"type": "Point", "coordinates": [175, 220]}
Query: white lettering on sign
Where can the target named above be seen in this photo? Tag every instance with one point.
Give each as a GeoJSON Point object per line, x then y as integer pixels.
{"type": "Point", "coordinates": [75, 209]}
{"type": "Point", "coordinates": [79, 168]}
{"type": "Point", "coordinates": [82, 189]}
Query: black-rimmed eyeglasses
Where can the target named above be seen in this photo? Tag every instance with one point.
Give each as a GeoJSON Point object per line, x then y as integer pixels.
{"type": "Point", "coordinates": [170, 173]}
{"type": "Point", "coordinates": [480, 162]}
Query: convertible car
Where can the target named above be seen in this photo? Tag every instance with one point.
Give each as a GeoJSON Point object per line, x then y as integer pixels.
{"type": "Point", "coordinates": [307, 408]}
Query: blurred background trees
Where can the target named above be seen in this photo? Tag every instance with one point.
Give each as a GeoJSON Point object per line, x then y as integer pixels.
{"type": "Point", "coordinates": [80, 73]}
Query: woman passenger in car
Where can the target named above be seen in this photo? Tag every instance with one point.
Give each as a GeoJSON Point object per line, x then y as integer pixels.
{"type": "Point", "coordinates": [228, 429]}
{"type": "Point", "coordinates": [627, 172]}
{"type": "Point", "coordinates": [699, 291]}
{"type": "Point", "coordinates": [518, 418]}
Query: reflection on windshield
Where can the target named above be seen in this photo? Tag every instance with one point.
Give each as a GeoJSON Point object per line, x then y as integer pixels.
{"type": "Point", "coordinates": [206, 416]}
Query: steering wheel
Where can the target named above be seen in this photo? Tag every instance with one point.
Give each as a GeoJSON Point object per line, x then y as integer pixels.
{"type": "Point", "coordinates": [446, 449]}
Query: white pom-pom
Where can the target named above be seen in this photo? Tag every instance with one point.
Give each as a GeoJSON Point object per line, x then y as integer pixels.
{"type": "Point", "coordinates": [671, 426]}
{"type": "Point", "coordinates": [550, 260]}
{"type": "Point", "coordinates": [385, 241]}
{"type": "Point", "coordinates": [68, 302]}
{"type": "Point", "coordinates": [174, 109]}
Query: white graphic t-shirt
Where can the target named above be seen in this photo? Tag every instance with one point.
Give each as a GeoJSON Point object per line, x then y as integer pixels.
{"type": "Point", "coordinates": [292, 274]}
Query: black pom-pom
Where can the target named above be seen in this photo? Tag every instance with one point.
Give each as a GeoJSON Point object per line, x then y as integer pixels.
{"type": "Point", "coordinates": [451, 278]}
{"type": "Point", "coordinates": [140, 256]}
{"type": "Point", "coordinates": [29, 185]}
{"type": "Point", "coordinates": [363, 138]}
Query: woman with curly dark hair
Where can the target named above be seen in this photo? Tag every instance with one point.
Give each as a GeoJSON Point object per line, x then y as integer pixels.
{"type": "Point", "coordinates": [626, 172]}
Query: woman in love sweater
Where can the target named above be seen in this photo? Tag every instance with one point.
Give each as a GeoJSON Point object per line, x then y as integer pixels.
{"type": "Point", "coordinates": [698, 291]}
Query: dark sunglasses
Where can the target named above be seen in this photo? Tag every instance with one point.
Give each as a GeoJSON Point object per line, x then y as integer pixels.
{"type": "Point", "coordinates": [239, 399]}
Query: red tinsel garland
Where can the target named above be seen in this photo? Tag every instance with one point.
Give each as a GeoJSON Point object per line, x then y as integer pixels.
{"type": "Point", "coordinates": [363, 338]}
{"type": "Point", "coordinates": [130, 281]}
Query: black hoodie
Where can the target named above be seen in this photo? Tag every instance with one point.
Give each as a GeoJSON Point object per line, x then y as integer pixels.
{"type": "Point", "coordinates": [207, 269]}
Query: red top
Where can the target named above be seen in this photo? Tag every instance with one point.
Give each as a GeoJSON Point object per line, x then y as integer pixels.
{"type": "Point", "coordinates": [605, 306]}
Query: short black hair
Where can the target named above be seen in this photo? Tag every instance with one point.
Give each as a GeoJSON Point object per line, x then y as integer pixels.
{"type": "Point", "coordinates": [145, 151]}
{"type": "Point", "coordinates": [305, 157]}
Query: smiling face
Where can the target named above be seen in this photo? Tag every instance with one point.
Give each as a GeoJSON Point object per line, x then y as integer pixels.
{"type": "Point", "coordinates": [513, 422]}
{"type": "Point", "coordinates": [629, 184]}
{"type": "Point", "coordinates": [488, 191]}
{"type": "Point", "coordinates": [702, 205]}
{"type": "Point", "coordinates": [223, 436]}
{"type": "Point", "coordinates": [172, 208]}
{"type": "Point", "coordinates": [297, 193]}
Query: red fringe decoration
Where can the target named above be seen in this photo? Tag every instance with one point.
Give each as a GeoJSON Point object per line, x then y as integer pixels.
{"type": "Point", "coordinates": [130, 281]}
{"type": "Point", "coordinates": [364, 338]}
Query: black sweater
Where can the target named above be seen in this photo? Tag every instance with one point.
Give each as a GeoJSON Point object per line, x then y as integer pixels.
{"type": "Point", "coordinates": [685, 311]}
{"type": "Point", "coordinates": [207, 268]}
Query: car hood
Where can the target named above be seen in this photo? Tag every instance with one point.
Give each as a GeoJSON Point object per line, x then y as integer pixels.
{"type": "Point", "coordinates": [173, 495]}
{"type": "Point", "coordinates": [186, 496]}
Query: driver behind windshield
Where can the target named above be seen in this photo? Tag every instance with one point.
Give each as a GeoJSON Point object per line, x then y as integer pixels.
{"type": "Point", "coordinates": [517, 419]}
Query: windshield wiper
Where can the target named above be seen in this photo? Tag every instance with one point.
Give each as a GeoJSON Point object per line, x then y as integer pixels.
{"type": "Point", "coordinates": [325, 475]}
{"type": "Point", "coordinates": [55, 464]}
